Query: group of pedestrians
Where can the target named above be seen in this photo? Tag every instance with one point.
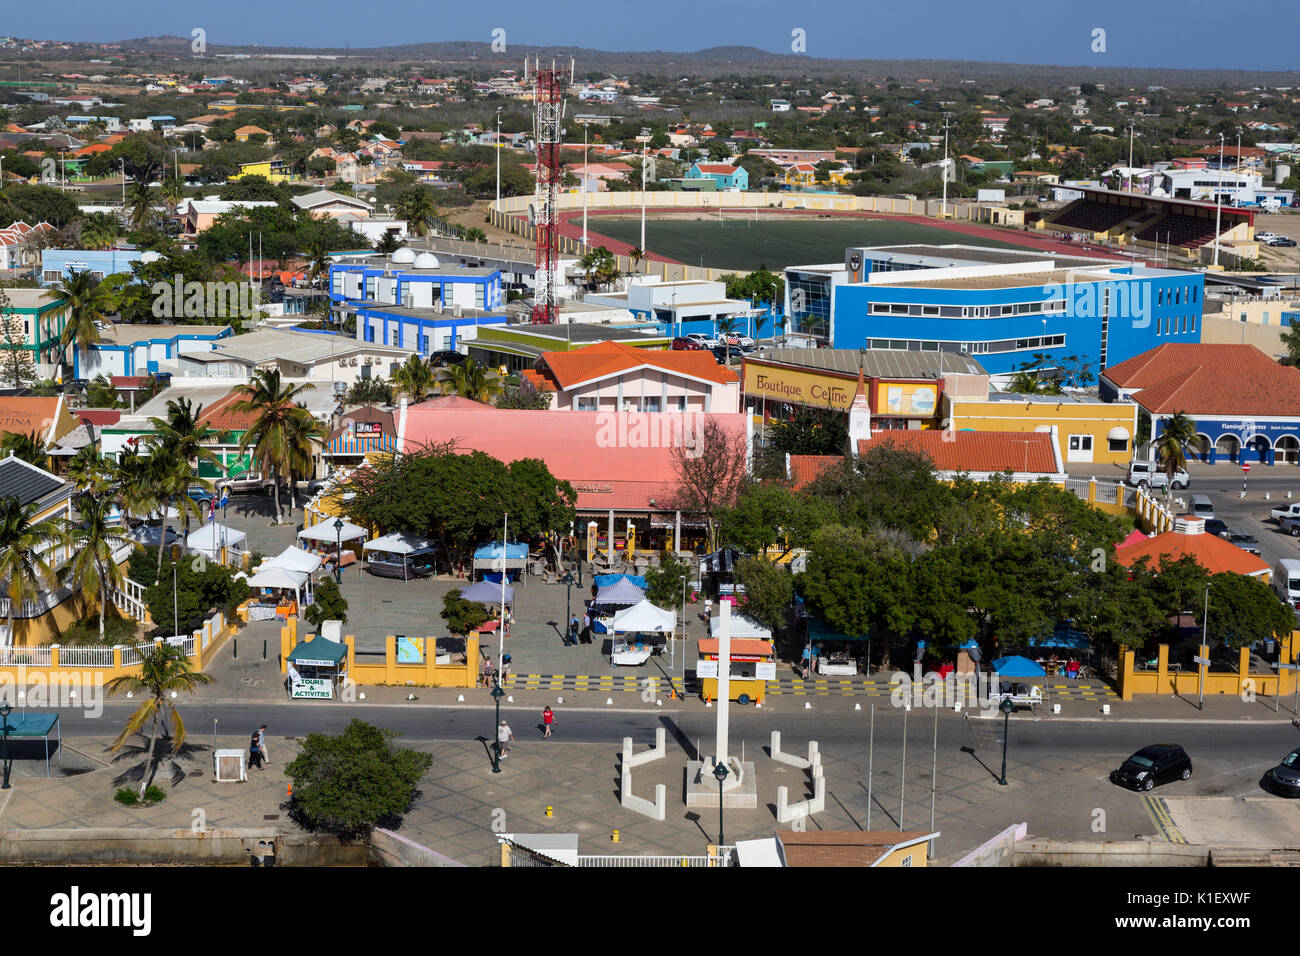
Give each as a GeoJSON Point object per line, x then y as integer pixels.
{"type": "Point", "coordinates": [578, 633]}
{"type": "Point", "coordinates": [505, 735]}
{"type": "Point", "coordinates": [257, 753]}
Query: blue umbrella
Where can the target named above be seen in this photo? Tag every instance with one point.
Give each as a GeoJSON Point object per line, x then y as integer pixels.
{"type": "Point", "coordinates": [1017, 667]}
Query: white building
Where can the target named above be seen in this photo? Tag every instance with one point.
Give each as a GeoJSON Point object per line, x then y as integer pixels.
{"type": "Point", "coordinates": [297, 355]}
{"type": "Point", "coordinates": [1234, 186]}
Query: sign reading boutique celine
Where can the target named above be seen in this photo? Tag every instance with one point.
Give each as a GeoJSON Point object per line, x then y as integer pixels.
{"type": "Point", "coordinates": [803, 388]}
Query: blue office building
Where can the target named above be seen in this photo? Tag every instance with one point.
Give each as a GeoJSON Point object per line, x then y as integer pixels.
{"type": "Point", "coordinates": [59, 264]}
{"type": "Point", "coordinates": [413, 301]}
{"type": "Point", "coordinates": [1006, 308]}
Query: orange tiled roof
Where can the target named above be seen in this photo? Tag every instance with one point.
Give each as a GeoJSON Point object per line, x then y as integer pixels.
{"type": "Point", "coordinates": [971, 451]}
{"type": "Point", "coordinates": [609, 358]}
{"type": "Point", "coordinates": [1192, 378]}
{"type": "Point", "coordinates": [805, 469]}
{"type": "Point", "coordinates": [1210, 551]}
{"type": "Point", "coordinates": [219, 417]}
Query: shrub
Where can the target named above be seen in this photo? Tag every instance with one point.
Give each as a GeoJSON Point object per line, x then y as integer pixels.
{"type": "Point", "coordinates": [154, 794]}
{"type": "Point", "coordinates": [127, 797]}
{"type": "Point", "coordinates": [117, 629]}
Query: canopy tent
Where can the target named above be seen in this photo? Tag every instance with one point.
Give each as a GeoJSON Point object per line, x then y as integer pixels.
{"type": "Point", "coordinates": [741, 627]}
{"type": "Point", "coordinates": [326, 532]}
{"type": "Point", "coordinates": [1063, 638]}
{"type": "Point", "coordinates": [1018, 667]}
{"type": "Point", "coordinates": [296, 559]}
{"type": "Point", "coordinates": [1134, 536]}
{"type": "Point", "coordinates": [620, 593]}
{"type": "Point", "coordinates": [485, 592]}
{"type": "Point", "coordinates": [399, 543]}
{"type": "Point", "coordinates": [211, 538]}
{"type": "Point", "coordinates": [274, 576]}
{"type": "Point", "coordinates": [34, 724]}
{"type": "Point", "coordinates": [719, 562]}
{"type": "Point", "coordinates": [149, 535]}
{"type": "Point", "coordinates": [643, 616]}
{"type": "Point", "coordinates": [604, 580]}
{"type": "Point", "coordinates": [490, 556]}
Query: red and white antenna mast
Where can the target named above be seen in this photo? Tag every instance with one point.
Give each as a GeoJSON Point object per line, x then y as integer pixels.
{"type": "Point", "coordinates": [548, 99]}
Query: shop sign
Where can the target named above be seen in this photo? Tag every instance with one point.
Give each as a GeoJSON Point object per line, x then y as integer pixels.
{"type": "Point", "coordinates": [313, 688]}
{"type": "Point", "coordinates": [766, 671]}
{"type": "Point", "coordinates": [706, 669]}
{"type": "Point", "coordinates": [803, 388]}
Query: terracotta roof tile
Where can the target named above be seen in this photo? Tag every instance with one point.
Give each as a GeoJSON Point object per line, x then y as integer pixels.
{"type": "Point", "coordinates": [1193, 378]}
{"type": "Point", "coordinates": [219, 417]}
{"type": "Point", "coordinates": [609, 358]}
{"type": "Point", "coordinates": [1210, 551]}
{"type": "Point", "coordinates": [971, 451]}
{"type": "Point", "coordinates": [805, 469]}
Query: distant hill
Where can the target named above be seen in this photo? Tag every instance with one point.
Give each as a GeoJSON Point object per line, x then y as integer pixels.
{"type": "Point", "coordinates": [746, 60]}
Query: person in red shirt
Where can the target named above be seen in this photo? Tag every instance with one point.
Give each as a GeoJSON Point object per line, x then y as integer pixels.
{"type": "Point", "coordinates": [548, 721]}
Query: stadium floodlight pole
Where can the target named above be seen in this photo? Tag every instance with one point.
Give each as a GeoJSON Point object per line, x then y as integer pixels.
{"type": "Point", "coordinates": [643, 158]}
{"type": "Point", "coordinates": [498, 146]}
{"type": "Point", "coordinates": [943, 171]}
{"type": "Point", "coordinates": [585, 174]}
{"type": "Point", "coordinates": [1218, 202]}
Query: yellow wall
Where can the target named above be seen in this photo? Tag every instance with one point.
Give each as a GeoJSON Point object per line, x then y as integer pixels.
{"type": "Point", "coordinates": [919, 853]}
{"type": "Point", "coordinates": [1070, 418]}
{"type": "Point", "coordinates": [1188, 682]}
{"type": "Point", "coordinates": [390, 673]}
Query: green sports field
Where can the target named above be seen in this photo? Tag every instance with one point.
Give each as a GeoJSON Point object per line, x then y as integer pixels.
{"type": "Point", "coordinates": [743, 244]}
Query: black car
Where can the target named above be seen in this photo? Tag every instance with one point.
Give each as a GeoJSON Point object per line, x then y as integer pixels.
{"type": "Point", "coordinates": [1284, 779]}
{"type": "Point", "coordinates": [444, 357]}
{"type": "Point", "coordinates": [1282, 241]}
{"type": "Point", "coordinates": [1216, 526]}
{"type": "Point", "coordinates": [1153, 765]}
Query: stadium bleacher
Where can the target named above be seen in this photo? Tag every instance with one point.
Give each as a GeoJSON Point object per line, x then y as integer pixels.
{"type": "Point", "coordinates": [1190, 232]}
{"type": "Point", "coordinates": [1084, 214]}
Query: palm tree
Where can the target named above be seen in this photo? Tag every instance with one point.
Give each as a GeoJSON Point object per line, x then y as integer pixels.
{"type": "Point", "coordinates": [25, 545]}
{"type": "Point", "coordinates": [100, 230]}
{"type": "Point", "coordinates": [139, 204]}
{"type": "Point", "coordinates": [177, 450]}
{"type": "Point", "coordinates": [1171, 445]}
{"type": "Point", "coordinates": [164, 670]}
{"type": "Point", "coordinates": [94, 544]}
{"type": "Point", "coordinates": [88, 473]}
{"type": "Point", "coordinates": [173, 191]}
{"type": "Point", "coordinates": [318, 255]}
{"type": "Point", "coordinates": [302, 434]}
{"type": "Point", "coordinates": [28, 447]}
{"type": "Point", "coordinates": [417, 208]}
{"type": "Point", "coordinates": [133, 488]}
{"type": "Point", "coordinates": [470, 380]}
{"type": "Point", "coordinates": [415, 378]}
{"type": "Point", "coordinates": [637, 254]}
{"type": "Point", "coordinates": [274, 404]}
{"type": "Point", "coordinates": [84, 302]}
{"type": "Point", "coordinates": [388, 244]}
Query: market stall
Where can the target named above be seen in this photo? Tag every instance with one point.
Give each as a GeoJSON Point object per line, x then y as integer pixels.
{"type": "Point", "coordinates": [317, 669]}
{"type": "Point", "coordinates": [634, 629]}
{"type": "Point", "coordinates": [330, 540]}
{"type": "Point", "coordinates": [489, 557]}
{"type": "Point", "coordinates": [212, 538]}
{"type": "Point", "coordinates": [485, 592]}
{"type": "Point", "coordinates": [400, 555]}
{"type": "Point", "coordinates": [288, 589]}
{"type": "Point", "coordinates": [1018, 679]}
{"type": "Point", "coordinates": [611, 599]}
{"type": "Point", "coordinates": [753, 664]}
{"type": "Point", "coordinates": [836, 654]}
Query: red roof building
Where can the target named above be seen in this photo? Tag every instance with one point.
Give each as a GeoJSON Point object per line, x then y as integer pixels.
{"type": "Point", "coordinates": [1210, 551]}
{"type": "Point", "coordinates": [1027, 455]}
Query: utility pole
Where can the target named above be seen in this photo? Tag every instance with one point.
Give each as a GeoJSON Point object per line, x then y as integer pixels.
{"type": "Point", "coordinates": [943, 173]}
{"type": "Point", "coordinates": [643, 158]}
{"type": "Point", "coordinates": [498, 146]}
{"type": "Point", "coordinates": [1130, 155]}
{"type": "Point", "coordinates": [585, 174]}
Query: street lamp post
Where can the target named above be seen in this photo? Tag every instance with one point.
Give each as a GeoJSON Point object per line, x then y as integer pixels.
{"type": "Point", "coordinates": [338, 550]}
{"type": "Point", "coordinates": [1006, 707]}
{"type": "Point", "coordinates": [568, 608]}
{"type": "Point", "coordinates": [498, 146]}
{"type": "Point", "coordinates": [720, 774]}
{"type": "Point", "coordinates": [497, 694]}
{"type": "Point", "coordinates": [5, 710]}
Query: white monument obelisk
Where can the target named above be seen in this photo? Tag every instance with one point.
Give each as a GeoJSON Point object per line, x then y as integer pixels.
{"type": "Point", "coordinates": [724, 682]}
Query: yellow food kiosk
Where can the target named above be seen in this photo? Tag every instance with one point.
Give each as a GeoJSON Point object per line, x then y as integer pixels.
{"type": "Point", "coordinates": [753, 664]}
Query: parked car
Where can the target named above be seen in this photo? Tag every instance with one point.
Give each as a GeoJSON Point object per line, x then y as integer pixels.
{"type": "Point", "coordinates": [1290, 525]}
{"type": "Point", "coordinates": [1149, 474]}
{"type": "Point", "coordinates": [706, 341]}
{"type": "Point", "coordinates": [735, 338]}
{"type": "Point", "coordinates": [1286, 511]}
{"type": "Point", "coordinates": [1282, 241]}
{"type": "Point", "coordinates": [199, 494]}
{"type": "Point", "coordinates": [248, 481]}
{"type": "Point", "coordinates": [684, 343]}
{"type": "Point", "coordinates": [444, 357]}
{"type": "Point", "coordinates": [1247, 542]}
{"type": "Point", "coordinates": [1284, 779]}
{"type": "Point", "coordinates": [1266, 236]}
{"type": "Point", "coordinates": [1153, 765]}
{"type": "Point", "coordinates": [1216, 526]}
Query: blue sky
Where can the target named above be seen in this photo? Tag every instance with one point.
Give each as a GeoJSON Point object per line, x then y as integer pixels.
{"type": "Point", "coordinates": [1204, 34]}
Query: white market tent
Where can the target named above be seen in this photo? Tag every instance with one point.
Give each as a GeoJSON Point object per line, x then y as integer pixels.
{"type": "Point", "coordinates": [620, 592]}
{"type": "Point", "coordinates": [325, 532]}
{"type": "Point", "coordinates": [210, 539]}
{"type": "Point", "coordinates": [272, 576]}
{"type": "Point", "coordinates": [399, 543]}
{"type": "Point", "coordinates": [643, 616]}
{"type": "Point", "coordinates": [149, 535]}
{"type": "Point", "coordinates": [296, 559]}
{"type": "Point", "coordinates": [742, 627]}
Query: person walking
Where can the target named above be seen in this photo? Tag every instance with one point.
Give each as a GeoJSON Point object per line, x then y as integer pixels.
{"type": "Point", "coordinates": [504, 736]}
{"type": "Point", "coordinates": [488, 672]}
{"type": "Point", "coordinates": [505, 668]}
{"type": "Point", "coordinates": [254, 753]}
{"type": "Point", "coordinates": [805, 658]}
{"type": "Point", "coordinates": [261, 743]}
{"type": "Point", "coordinates": [574, 628]}
{"type": "Point", "coordinates": [548, 721]}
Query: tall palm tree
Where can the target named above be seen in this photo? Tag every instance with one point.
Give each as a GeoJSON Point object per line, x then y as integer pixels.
{"type": "Point", "coordinates": [176, 450]}
{"type": "Point", "coordinates": [100, 230]}
{"type": "Point", "coordinates": [164, 670]}
{"type": "Point", "coordinates": [470, 380]}
{"type": "Point", "coordinates": [302, 434]}
{"type": "Point", "coordinates": [28, 447]}
{"type": "Point", "coordinates": [133, 488]}
{"type": "Point", "coordinates": [1172, 444]}
{"type": "Point", "coordinates": [25, 546]}
{"type": "Point", "coordinates": [637, 255]}
{"type": "Point", "coordinates": [89, 473]}
{"type": "Point", "coordinates": [139, 204]}
{"type": "Point", "coordinates": [415, 378]}
{"type": "Point", "coordinates": [94, 543]}
{"type": "Point", "coordinates": [318, 255]}
{"type": "Point", "coordinates": [84, 301]}
{"type": "Point", "coordinates": [417, 208]}
{"type": "Point", "coordinates": [173, 191]}
{"type": "Point", "coordinates": [274, 404]}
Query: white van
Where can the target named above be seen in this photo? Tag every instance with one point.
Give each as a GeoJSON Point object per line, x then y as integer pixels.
{"type": "Point", "coordinates": [1202, 507]}
{"type": "Point", "coordinates": [1286, 581]}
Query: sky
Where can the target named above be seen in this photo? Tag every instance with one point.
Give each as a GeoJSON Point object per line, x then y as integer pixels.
{"type": "Point", "coordinates": [1199, 34]}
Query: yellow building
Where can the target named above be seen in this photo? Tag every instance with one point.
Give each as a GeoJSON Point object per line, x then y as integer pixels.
{"type": "Point", "coordinates": [276, 170]}
{"type": "Point", "coordinates": [1090, 431]}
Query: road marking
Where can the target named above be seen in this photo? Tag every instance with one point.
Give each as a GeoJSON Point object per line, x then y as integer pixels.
{"type": "Point", "coordinates": [1159, 812]}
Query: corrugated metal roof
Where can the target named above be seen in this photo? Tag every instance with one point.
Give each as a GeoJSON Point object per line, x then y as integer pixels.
{"type": "Point", "coordinates": [875, 363]}
{"type": "Point", "coordinates": [25, 481]}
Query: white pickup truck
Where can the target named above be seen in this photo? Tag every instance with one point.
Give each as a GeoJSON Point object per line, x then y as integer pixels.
{"type": "Point", "coordinates": [1286, 511]}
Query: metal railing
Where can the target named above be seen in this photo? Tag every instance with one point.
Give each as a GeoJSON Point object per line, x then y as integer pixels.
{"type": "Point", "coordinates": [129, 598]}
{"type": "Point", "coordinates": [1108, 493]}
{"type": "Point", "coordinates": [86, 656]}
{"type": "Point", "coordinates": [723, 859]}
{"type": "Point", "coordinates": [1079, 486]}
{"type": "Point", "coordinates": [31, 656]}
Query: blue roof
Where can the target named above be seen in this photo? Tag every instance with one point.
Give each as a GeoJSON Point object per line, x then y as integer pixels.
{"type": "Point", "coordinates": [1017, 667]}
{"type": "Point", "coordinates": [602, 580]}
{"type": "Point", "coordinates": [513, 550]}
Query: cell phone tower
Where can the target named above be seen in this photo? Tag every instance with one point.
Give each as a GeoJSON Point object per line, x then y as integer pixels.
{"type": "Point", "coordinates": [548, 133]}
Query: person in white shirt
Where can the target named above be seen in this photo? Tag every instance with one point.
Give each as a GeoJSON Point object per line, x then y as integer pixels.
{"type": "Point", "coordinates": [504, 736]}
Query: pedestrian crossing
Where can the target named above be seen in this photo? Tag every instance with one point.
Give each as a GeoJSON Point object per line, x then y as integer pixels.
{"type": "Point", "coordinates": [1093, 691]}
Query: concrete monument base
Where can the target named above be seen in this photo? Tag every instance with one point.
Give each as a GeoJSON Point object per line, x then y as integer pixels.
{"type": "Point", "coordinates": [702, 787]}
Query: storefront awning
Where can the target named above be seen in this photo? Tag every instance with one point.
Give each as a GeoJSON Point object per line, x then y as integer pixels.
{"type": "Point", "coordinates": [1118, 433]}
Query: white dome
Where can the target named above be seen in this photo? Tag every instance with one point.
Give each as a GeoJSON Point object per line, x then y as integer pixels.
{"type": "Point", "coordinates": [427, 260]}
{"type": "Point", "coordinates": [404, 255]}
{"type": "Point", "coordinates": [150, 257]}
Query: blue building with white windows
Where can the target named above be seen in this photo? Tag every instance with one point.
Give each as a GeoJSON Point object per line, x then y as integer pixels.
{"type": "Point", "coordinates": [1004, 307]}
{"type": "Point", "coordinates": [413, 301]}
{"type": "Point", "coordinates": [59, 264]}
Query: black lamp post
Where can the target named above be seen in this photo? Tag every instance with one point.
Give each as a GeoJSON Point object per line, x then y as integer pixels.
{"type": "Point", "coordinates": [568, 608]}
{"type": "Point", "coordinates": [720, 773]}
{"type": "Point", "coordinates": [5, 710]}
{"type": "Point", "coordinates": [497, 694]}
{"type": "Point", "coordinates": [1006, 707]}
{"type": "Point", "coordinates": [338, 550]}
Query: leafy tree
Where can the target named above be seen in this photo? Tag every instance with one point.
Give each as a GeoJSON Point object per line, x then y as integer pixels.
{"type": "Point", "coordinates": [856, 583]}
{"type": "Point", "coordinates": [254, 189]}
{"type": "Point", "coordinates": [329, 604]}
{"type": "Point", "coordinates": [1243, 610]}
{"type": "Point", "coordinates": [417, 208]}
{"type": "Point", "coordinates": [523, 396]}
{"type": "Point", "coordinates": [768, 514]}
{"type": "Point", "coordinates": [351, 782]}
{"type": "Point", "coordinates": [812, 431]}
{"type": "Point", "coordinates": [370, 391]}
{"type": "Point", "coordinates": [33, 204]}
{"type": "Point", "coordinates": [482, 181]}
{"type": "Point", "coordinates": [463, 616]}
{"type": "Point", "coordinates": [195, 592]}
{"type": "Point", "coordinates": [710, 473]}
{"type": "Point", "coordinates": [769, 590]}
{"type": "Point", "coordinates": [164, 670]}
{"type": "Point", "coordinates": [16, 364]}
{"type": "Point", "coordinates": [664, 583]}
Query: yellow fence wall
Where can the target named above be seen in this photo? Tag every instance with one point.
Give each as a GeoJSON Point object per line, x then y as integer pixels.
{"type": "Point", "coordinates": [390, 673]}
{"type": "Point", "coordinates": [1162, 680]}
